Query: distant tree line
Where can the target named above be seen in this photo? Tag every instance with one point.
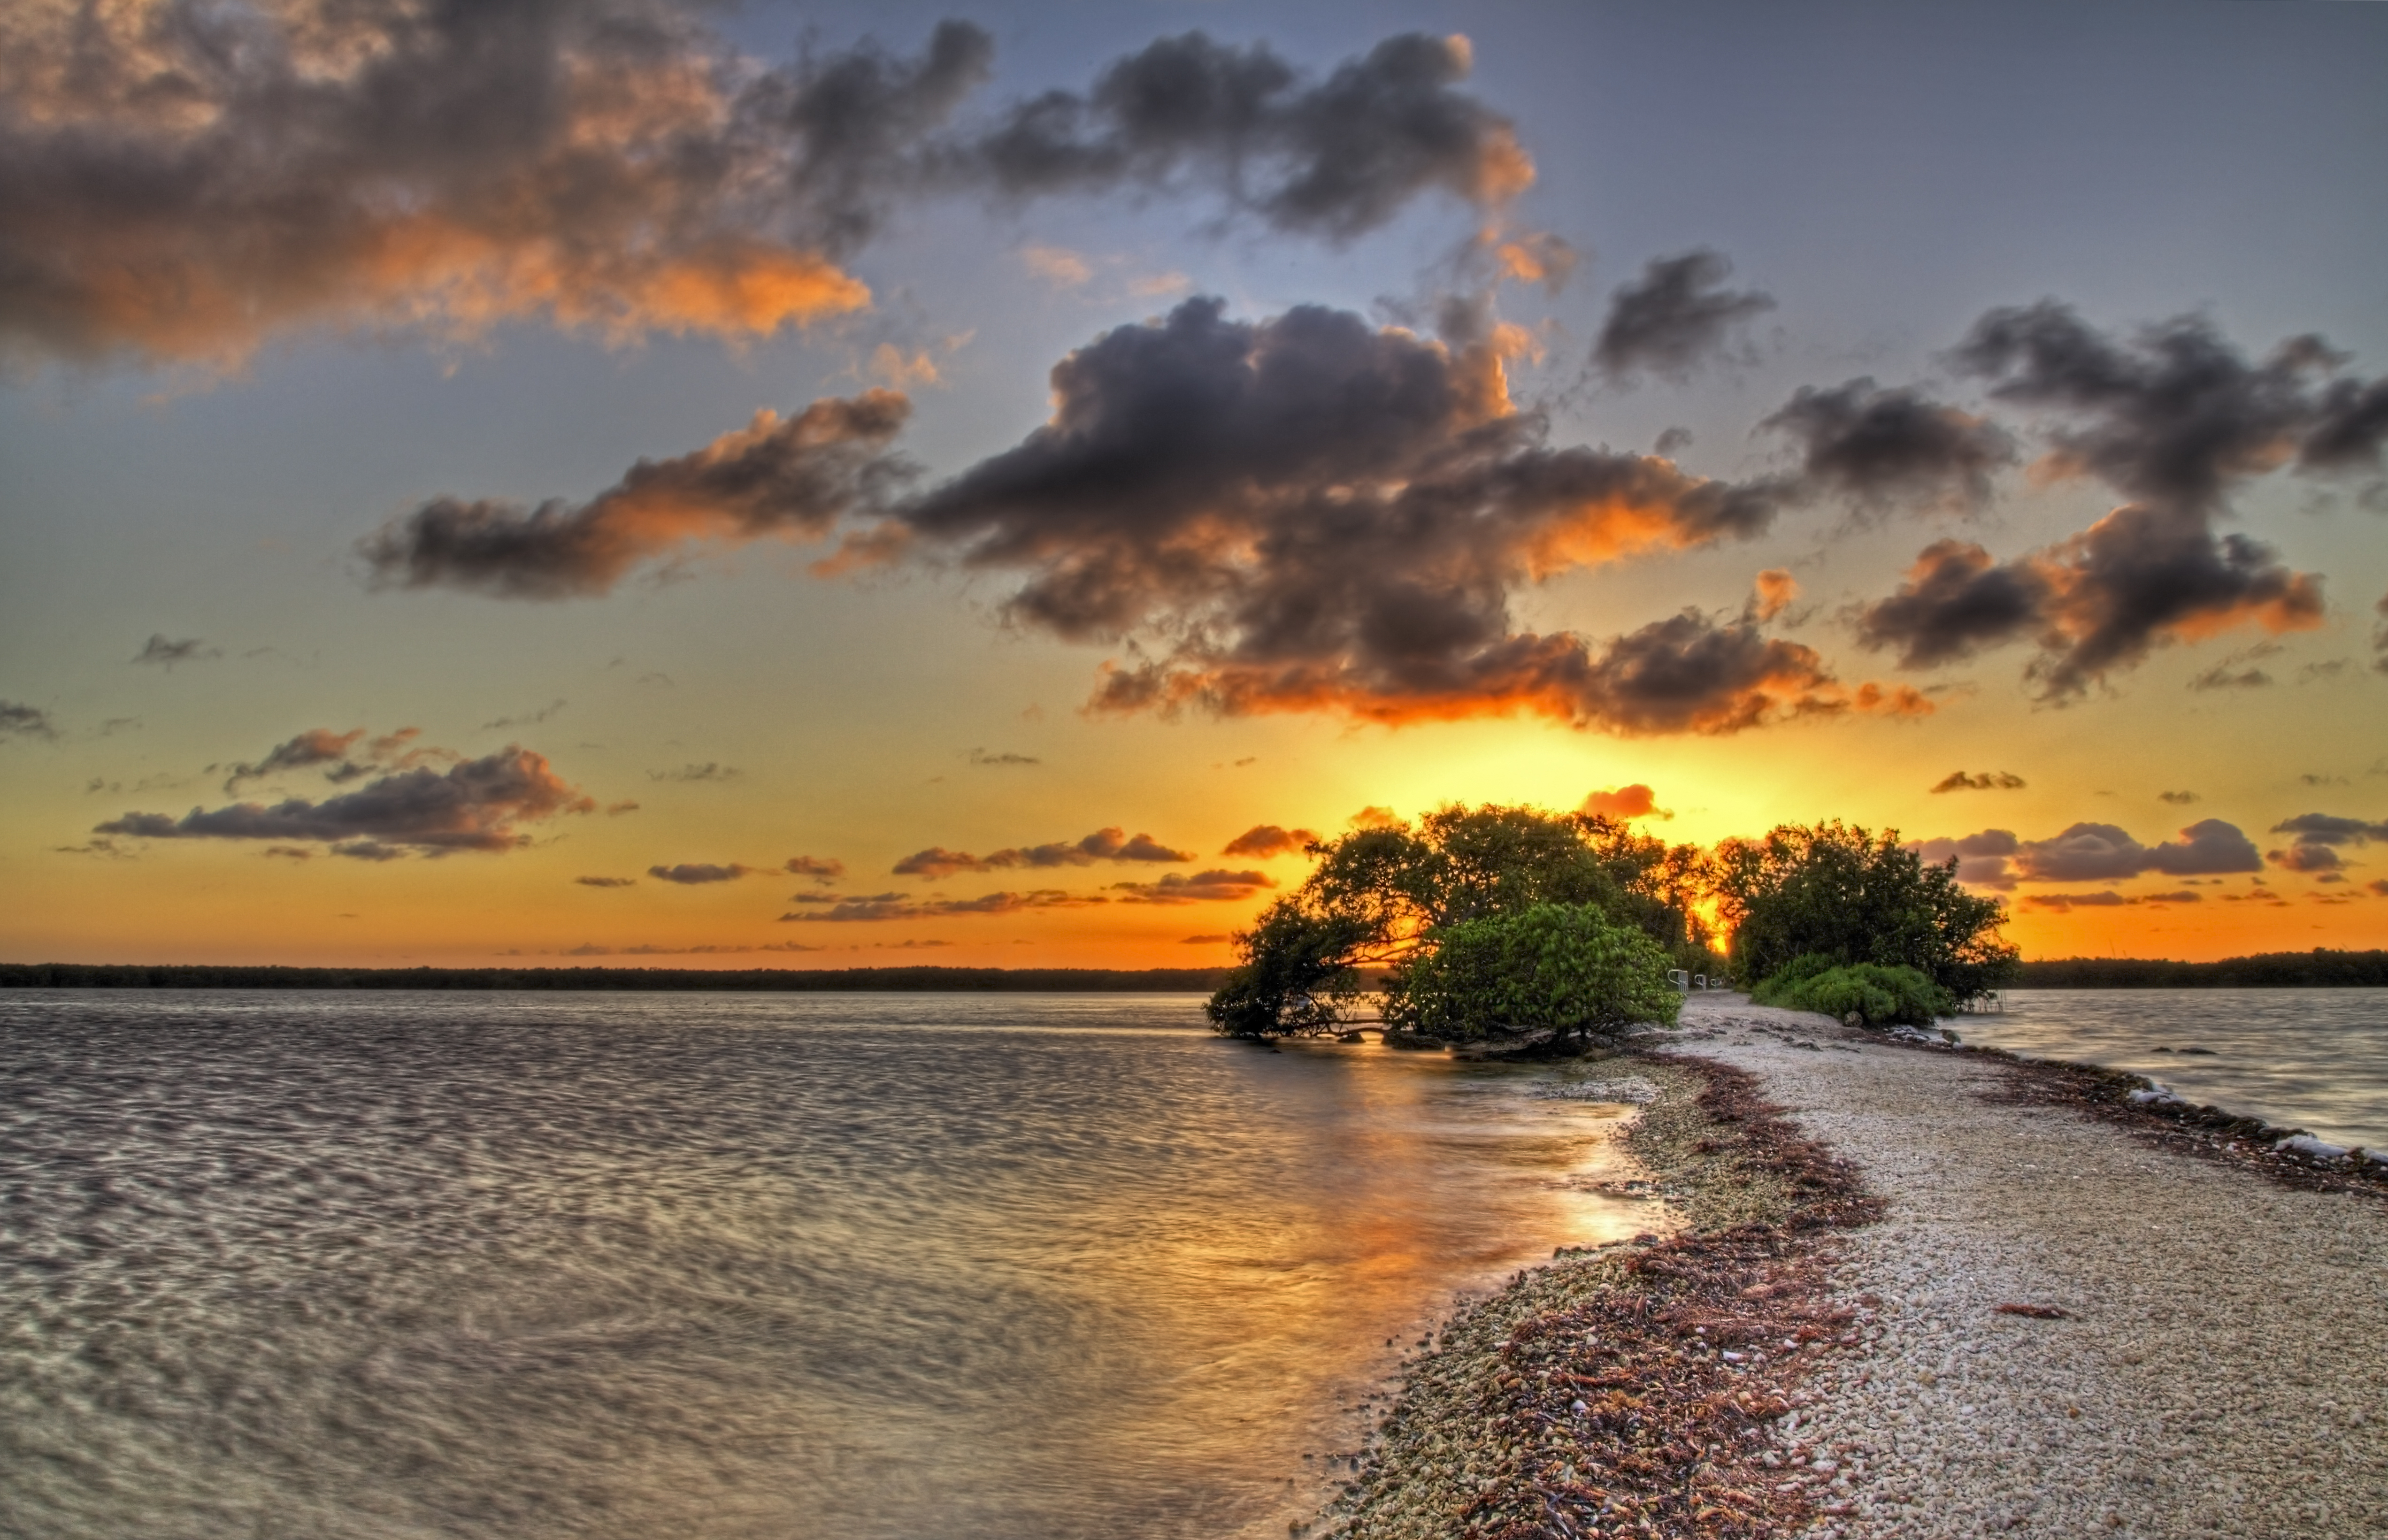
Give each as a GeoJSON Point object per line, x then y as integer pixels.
{"type": "Point", "coordinates": [84, 976]}
{"type": "Point", "coordinates": [2320, 968]}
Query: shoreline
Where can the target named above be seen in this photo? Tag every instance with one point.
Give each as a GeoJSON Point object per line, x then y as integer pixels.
{"type": "Point", "coordinates": [1960, 1317]}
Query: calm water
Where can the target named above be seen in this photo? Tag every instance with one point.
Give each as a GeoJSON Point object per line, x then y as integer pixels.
{"type": "Point", "coordinates": [685, 1267]}
{"type": "Point", "coordinates": [2316, 1059]}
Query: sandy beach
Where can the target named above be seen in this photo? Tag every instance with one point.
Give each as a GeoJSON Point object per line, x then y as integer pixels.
{"type": "Point", "coordinates": [2057, 1325]}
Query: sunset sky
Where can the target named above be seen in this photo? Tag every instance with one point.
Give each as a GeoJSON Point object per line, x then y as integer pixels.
{"type": "Point", "coordinates": [839, 485]}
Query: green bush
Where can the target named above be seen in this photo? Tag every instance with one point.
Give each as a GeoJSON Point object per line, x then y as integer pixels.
{"type": "Point", "coordinates": [1567, 968]}
{"type": "Point", "coordinates": [1881, 996]}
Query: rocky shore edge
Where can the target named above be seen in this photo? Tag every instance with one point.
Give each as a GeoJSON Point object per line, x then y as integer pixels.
{"type": "Point", "coordinates": [1649, 1388]}
{"type": "Point", "coordinates": [1655, 1387]}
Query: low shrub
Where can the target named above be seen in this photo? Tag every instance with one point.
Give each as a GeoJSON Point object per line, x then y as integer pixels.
{"type": "Point", "coordinates": [1880, 996]}
{"type": "Point", "coordinates": [1567, 968]}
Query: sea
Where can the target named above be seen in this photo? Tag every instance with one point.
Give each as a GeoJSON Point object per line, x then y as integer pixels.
{"type": "Point", "coordinates": [696, 1266]}
{"type": "Point", "coordinates": [2313, 1059]}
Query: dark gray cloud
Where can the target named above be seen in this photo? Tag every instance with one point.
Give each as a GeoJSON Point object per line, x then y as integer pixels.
{"type": "Point", "coordinates": [893, 907]}
{"type": "Point", "coordinates": [1335, 158]}
{"type": "Point", "coordinates": [2317, 837]}
{"type": "Point", "coordinates": [341, 756]}
{"type": "Point", "coordinates": [1989, 781]}
{"type": "Point", "coordinates": [608, 882]}
{"type": "Point", "coordinates": [475, 805]}
{"type": "Point", "coordinates": [790, 478]}
{"type": "Point", "coordinates": [612, 165]}
{"type": "Point", "coordinates": [2178, 799]}
{"type": "Point", "coordinates": [1674, 318]}
{"type": "Point", "coordinates": [1264, 840]}
{"type": "Point", "coordinates": [2108, 898]}
{"type": "Point", "coordinates": [2101, 852]}
{"type": "Point", "coordinates": [820, 869]}
{"type": "Point", "coordinates": [1892, 448]}
{"type": "Point", "coordinates": [528, 718]}
{"type": "Point", "coordinates": [2095, 603]}
{"type": "Point", "coordinates": [984, 760]}
{"type": "Point", "coordinates": [2380, 635]}
{"type": "Point", "coordinates": [697, 874]}
{"type": "Point", "coordinates": [2177, 415]}
{"type": "Point", "coordinates": [696, 774]}
{"type": "Point", "coordinates": [1103, 844]}
{"type": "Point", "coordinates": [19, 720]}
{"type": "Point", "coordinates": [166, 654]}
{"type": "Point", "coordinates": [1198, 887]}
{"type": "Point", "coordinates": [1983, 859]}
{"type": "Point", "coordinates": [2232, 673]}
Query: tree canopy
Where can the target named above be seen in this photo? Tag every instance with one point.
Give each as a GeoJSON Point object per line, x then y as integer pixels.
{"type": "Point", "coordinates": [1838, 893]}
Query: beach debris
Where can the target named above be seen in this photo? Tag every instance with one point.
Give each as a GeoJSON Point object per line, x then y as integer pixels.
{"type": "Point", "coordinates": [2311, 1148]}
{"type": "Point", "coordinates": [1631, 1090]}
{"type": "Point", "coordinates": [2036, 1312]}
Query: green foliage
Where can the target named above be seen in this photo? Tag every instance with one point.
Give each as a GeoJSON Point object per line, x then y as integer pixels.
{"type": "Point", "coordinates": [1567, 968]}
{"type": "Point", "coordinates": [1851, 897]}
{"type": "Point", "coordinates": [1385, 898]}
{"type": "Point", "coordinates": [1881, 996]}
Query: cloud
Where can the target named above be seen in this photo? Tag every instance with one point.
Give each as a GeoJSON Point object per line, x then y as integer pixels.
{"type": "Point", "coordinates": [1375, 817]}
{"type": "Point", "coordinates": [820, 869]}
{"type": "Point", "coordinates": [475, 805]}
{"type": "Point", "coordinates": [890, 907]}
{"type": "Point", "coordinates": [2095, 603]}
{"type": "Point", "coordinates": [2306, 858]}
{"type": "Point", "coordinates": [1103, 844]}
{"type": "Point", "coordinates": [1771, 593]}
{"type": "Point", "coordinates": [350, 755]}
{"type": "Point", "coordinates": [698, 774]}
{"type": "Point", "coordinates": [1213, 886]}
{"type": "Point", "coordinates": [1624, 802]}
{"type": "Point", "coordinates": [2107, 899]}
{"type": "Point", "coordinates": [2324, 828]}
{"type": "Point", "coordinates": [2380, 635]}
{"type": "Point", "coordinates": [693, 873]}
{"type": "Point", "coordinates": [1334, 159]}
{"type": "Point", "coordinates": [1989, 781]}
{"type": "Point", "coordinates": [166, 654]}
{"type": "Point", "coordinates": [785, 477]}
{"type": "Point", "coordinates": [290, 852]}
{"type": "Point", "coordinates": [2175, 415]}
{"type": "Point", "coordinates": [19, 720]}
{"type": "Point", "coordinates": [590, 949]}
{"type": "Point", "coordinates": [2377, 886]}
{"type": "Point", "coordinates": [1264, 840]}
{"type": "Point", "coordinates": [1884, 449]}
{"type": "Point", "coordinates": [2178, 799]}
{"type": "Point", "coordinates": [615, 809]}
{"type": "Point", "coordinates": [608, 882]}
{"type": "Point", "coordinates": [981, 757]}
{"type": "Point", "coordinates": [1673, 318]}
{"type": "Point", "coordinates": [1983, 859]}
{"type": "Point", "coordinates": [2093, 852]}
{"type": "Point", "coordinates": [529, 718]}
{"type": "Point", "coordinates": [1202, 940]}
{"type": "Point", "coordinates": [1056, 265]}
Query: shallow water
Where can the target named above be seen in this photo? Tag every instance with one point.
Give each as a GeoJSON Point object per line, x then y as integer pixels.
{"type": "Point", "coordinates": [424, 1264]}
{"type": "Point", "coordinates": [2315, 1059]}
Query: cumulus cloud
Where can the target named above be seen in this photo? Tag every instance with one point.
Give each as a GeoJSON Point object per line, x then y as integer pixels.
{"type": "Point", "coordinates": [1306, 512]}
{"type": "Point", "coordinates": [820, 869]}
{"type": "Point", "coordinates": [790, 478]}
{"type": "Point", "coordinates": [1983, 859]}
{"type": "Point", "coordinates": [1264, 840]}
{"type": "Point", "coordinates": [1103, 844]}
{"type": "Point", "coordinates": [19, 720]}
{"type": "Point", "coordinates": [1673, 318]}
{"type": "Point", "coordinates": [896, 907]}
{"type": "Point", "coordinates": [1374, 816]}
{"type": "Point", "coordinates": [182, 181]}
{"type": "Point", "coordinates": [2095, 603]}
{"type": "Point", "coordinates": [166, 654]}
{"type": "Point", "coordinates": [475, 805]}
{"type": "Point", "coordinates": [1334, 157]}
{"type": "Point", "coordinates": [695, 873]}
{"type": "Point", "coordinates": [2317, 839]}
{"type": "Point", "coordinates": [2174, 418]}
{"type": "Point", "coordinates": [1624, 802]}
{"type": "Point", "coordinates": [1200, 888]}
{"type": "Point", "coordinates": [2101, 852]}
{"type": "Point", "coordinates": [1989, 781]}
{"type": "Point", "coordinates": [1892, 448]}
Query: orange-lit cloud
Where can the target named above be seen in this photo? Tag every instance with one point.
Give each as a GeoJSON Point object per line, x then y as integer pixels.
{"type": "Point", "coordinates": [1103, 844]}
{"type": "Point", "coordinates": [1264, 840]}
{"type": "Point", "coordinates": [1625, 802]}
